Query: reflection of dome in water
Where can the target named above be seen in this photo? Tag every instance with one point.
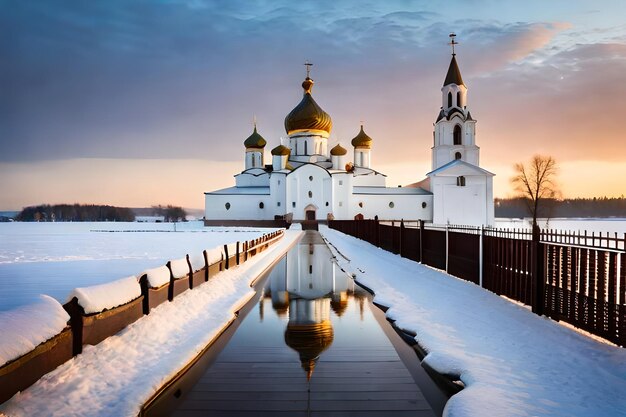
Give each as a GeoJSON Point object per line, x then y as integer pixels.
{"type": "Point", "coordinates": [339, 306]}
{"type": "Point", "coordinates": [309, 340]}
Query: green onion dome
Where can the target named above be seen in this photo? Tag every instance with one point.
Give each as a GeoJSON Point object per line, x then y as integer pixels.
{"type": "Point", "coordinates": [255, 140]}
{"type": "Point", "coordinates": [307, 115]}
{"type": "Point", "coordinates": [338, 151]}
{"type": "Point", "coordinates": [362, 140]}
{"type": "Point", "coordinates": [281, 150]}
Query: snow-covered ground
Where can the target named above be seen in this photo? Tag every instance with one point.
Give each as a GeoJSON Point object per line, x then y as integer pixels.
{"type": "Point", "coordinates": [512, 362]}
{"type": "Point", "coordinates": [54, 258]}
{"type": "Point", "coordinates": [596, 225]}
{"type": "Point", "coordinates": [115, 377]}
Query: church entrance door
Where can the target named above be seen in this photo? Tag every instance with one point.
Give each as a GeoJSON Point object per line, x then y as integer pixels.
{"type": "Point", "coordinates": [310, 215]}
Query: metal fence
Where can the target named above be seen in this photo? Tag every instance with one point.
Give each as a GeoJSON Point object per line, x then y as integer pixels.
{"type": "Point", "coordinates": [579, 278]}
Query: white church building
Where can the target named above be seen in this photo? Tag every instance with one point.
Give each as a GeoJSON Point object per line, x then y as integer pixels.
{"type": "Point", "coordinates": [305, 180]}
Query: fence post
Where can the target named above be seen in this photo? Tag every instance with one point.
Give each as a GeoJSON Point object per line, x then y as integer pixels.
{"type": "Point", "coordinates": [400, 248]}
{"type": "Point", "coordinates": [480, 256]}
{"type": "Point", "coordinates": [377, 233]}
{"type": "Point", "coordinates": [226, 256]}
{"type": "Point", "coordinates": [421, 225]}
{"type": "Point", "coordinates": [538, 272]}
{"type": "Point", "coordinates": [447, 246]}
{"type": "Point", "coordinates": [237, 257]}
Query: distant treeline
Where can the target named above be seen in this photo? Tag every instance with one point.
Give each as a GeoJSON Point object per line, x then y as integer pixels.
{"type": "Point", "coordinates": [170, 213]}
{"type": "Point", "coordinates": [75, 213]}
{"type": "Point", "coordinates": [570, 207]}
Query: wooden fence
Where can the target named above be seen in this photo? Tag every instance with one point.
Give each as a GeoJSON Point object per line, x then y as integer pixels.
{"type": "Point", "coordinates": [578, 278]}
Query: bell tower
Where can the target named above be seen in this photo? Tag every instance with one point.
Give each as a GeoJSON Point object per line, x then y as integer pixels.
{"type": "Point", "coordinates": [455, 129]}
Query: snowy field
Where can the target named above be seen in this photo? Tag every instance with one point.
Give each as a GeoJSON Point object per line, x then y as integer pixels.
{"type": "Point", "coordinates": [604, 225]}
{"type": "Point", "coordinates": [54, 258]}
{"type": "Point", "coordinates": [117, 376]}
{"type": "Point", "coordinates": [512, 362]}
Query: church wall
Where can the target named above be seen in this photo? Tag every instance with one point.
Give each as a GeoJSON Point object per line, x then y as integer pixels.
{"type": "Point", "coordinates": [342, 191]}
{"type": "Point", "coordinates": [372, 180]}
{"type": "Point", "coordinates": [469, 205]}
{"type": "Point", "coordinates": [405, 206]}
{"type": "Point", "coordinates": [278, 193]}
{"type": "Point", "coordinates": [249, 179]}
{"type": "Point", "coordinates": [299, 186]}
{"type": "Point", "coordinates": [242, 207]}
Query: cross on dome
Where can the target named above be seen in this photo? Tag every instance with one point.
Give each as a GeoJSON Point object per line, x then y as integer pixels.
{"type": "Point", "coordinates": [308, 66]}
{"type": "Point", "coordinates": [453, 42]}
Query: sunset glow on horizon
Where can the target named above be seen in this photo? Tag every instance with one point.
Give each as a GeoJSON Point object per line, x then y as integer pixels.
{"type": "Point", "coordinates": [144, 103]}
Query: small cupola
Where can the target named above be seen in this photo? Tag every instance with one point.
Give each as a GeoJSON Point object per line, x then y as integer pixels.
{"type": "Point", "coordinates": [280, 154]}
{"type": "Point", "coordinates": [255, 144]}
{"type": "Point", "coordinates": [255, 140]}
{"type": "Point", "coordinates": [362, 149]}
{"type": "Point", "coordinates": [337, 156]}
{"type": "Point", "coordinates": [362, 140]}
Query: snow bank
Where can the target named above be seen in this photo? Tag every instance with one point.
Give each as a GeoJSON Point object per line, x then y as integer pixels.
{"type": "Point", "coordinates": [98, 298]}
{"type": "Point", "coordinates": [157, 276]}
{"type": "Point", "coordinates": [25, 327]}
{"type": "Point", "coordinates": [214, 255]}
{"type": "Point", "coordinates": [512, 362]}
{"type": "Point", "coordinates": [118, 375]}
{"type": "Point", "coordinates": [197, 261]}
{"type": "Point", "coordinates": [180, 268]}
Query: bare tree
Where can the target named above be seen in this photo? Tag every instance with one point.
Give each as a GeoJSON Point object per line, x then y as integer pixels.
{"type": "Point", "coordinates": [535, 183]}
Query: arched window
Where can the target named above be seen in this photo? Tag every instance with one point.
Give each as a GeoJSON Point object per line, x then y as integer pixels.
{"type": "Point", "coordinates": [458, 99]}
{"type": "Point", "coordinates": [460, 181]}
{"type": "Point", "coordinates": [305, 151]}
{"type": "Point", "coordinates": [457, 155]}
{"type": "Point", "coordinates": [457, 135]}
{"type": "Point", "coordinates": [450, 99]}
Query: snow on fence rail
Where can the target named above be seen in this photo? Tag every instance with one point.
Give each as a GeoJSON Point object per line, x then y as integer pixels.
{"type": "Point", "coordinates": [579, 278]}
{"type": "Point", "coordinates": [39, 337]}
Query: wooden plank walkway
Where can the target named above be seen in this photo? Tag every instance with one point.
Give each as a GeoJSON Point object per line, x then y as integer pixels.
{"type": "Point", "coordinates": [359, 374]}
{"type": "Point", "coordinates": [346, 382]}
{"type": "Point", "coordinates": [263, 381]}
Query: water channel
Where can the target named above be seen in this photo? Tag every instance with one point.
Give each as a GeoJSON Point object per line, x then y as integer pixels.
{"type": "Point", "coordinates": [312, 344]}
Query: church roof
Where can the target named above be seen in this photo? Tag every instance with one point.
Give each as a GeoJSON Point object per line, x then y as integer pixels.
{"type": "Point", "coordinates": [362, 140]}
{"type": "Point", "coordinates": [338, 150]}
{"type": "Point", "coordinates": [454, 74]}
{"type": "Point", "coordinates": [255, 140]}
{"type": "Point", "coordinates": [281, 150]}
{"type": "Point", "coordinates": [470, 169]}
{"type": "Point", "coordinates": [389, 190]}
{"type": "Point", "coordinates": [307, 115]}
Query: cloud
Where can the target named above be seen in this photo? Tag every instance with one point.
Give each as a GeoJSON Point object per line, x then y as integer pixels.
{"type": "Point", "coordinates": [568, 105]}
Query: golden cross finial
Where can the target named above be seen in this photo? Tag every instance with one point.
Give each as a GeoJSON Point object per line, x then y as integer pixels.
{"type": "Point", "coordinates": [254, 121]}
{"type": "Point", "coordinates": [453, 42]}
{"type": "Point", "coordinates": [308, 66]}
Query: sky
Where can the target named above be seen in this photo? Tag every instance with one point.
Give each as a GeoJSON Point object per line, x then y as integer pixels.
{"type": "Point", "coordinates": [145, 102]}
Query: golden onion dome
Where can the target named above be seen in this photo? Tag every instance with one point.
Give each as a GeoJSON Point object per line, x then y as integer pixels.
{"type": "Point", "coordinates": [362, 140]}
{"type": "Point", "coordinates": [281, 150]}
{"type": "Point", "coordinates": [338, 150]}
{"type": "Point", "coordinates": [308, 115]}
{"type": "Point", "coordinates": [255, 140]}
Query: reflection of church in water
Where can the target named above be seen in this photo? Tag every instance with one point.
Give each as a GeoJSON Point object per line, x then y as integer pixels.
{"type": "Point", "coordinates": [308, 287]}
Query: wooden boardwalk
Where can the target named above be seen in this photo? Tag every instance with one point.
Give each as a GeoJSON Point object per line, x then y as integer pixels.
{"type": "Point", "coordinates": [365, 382]}
{"type": "Point", "coordinates": [358, 374]}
